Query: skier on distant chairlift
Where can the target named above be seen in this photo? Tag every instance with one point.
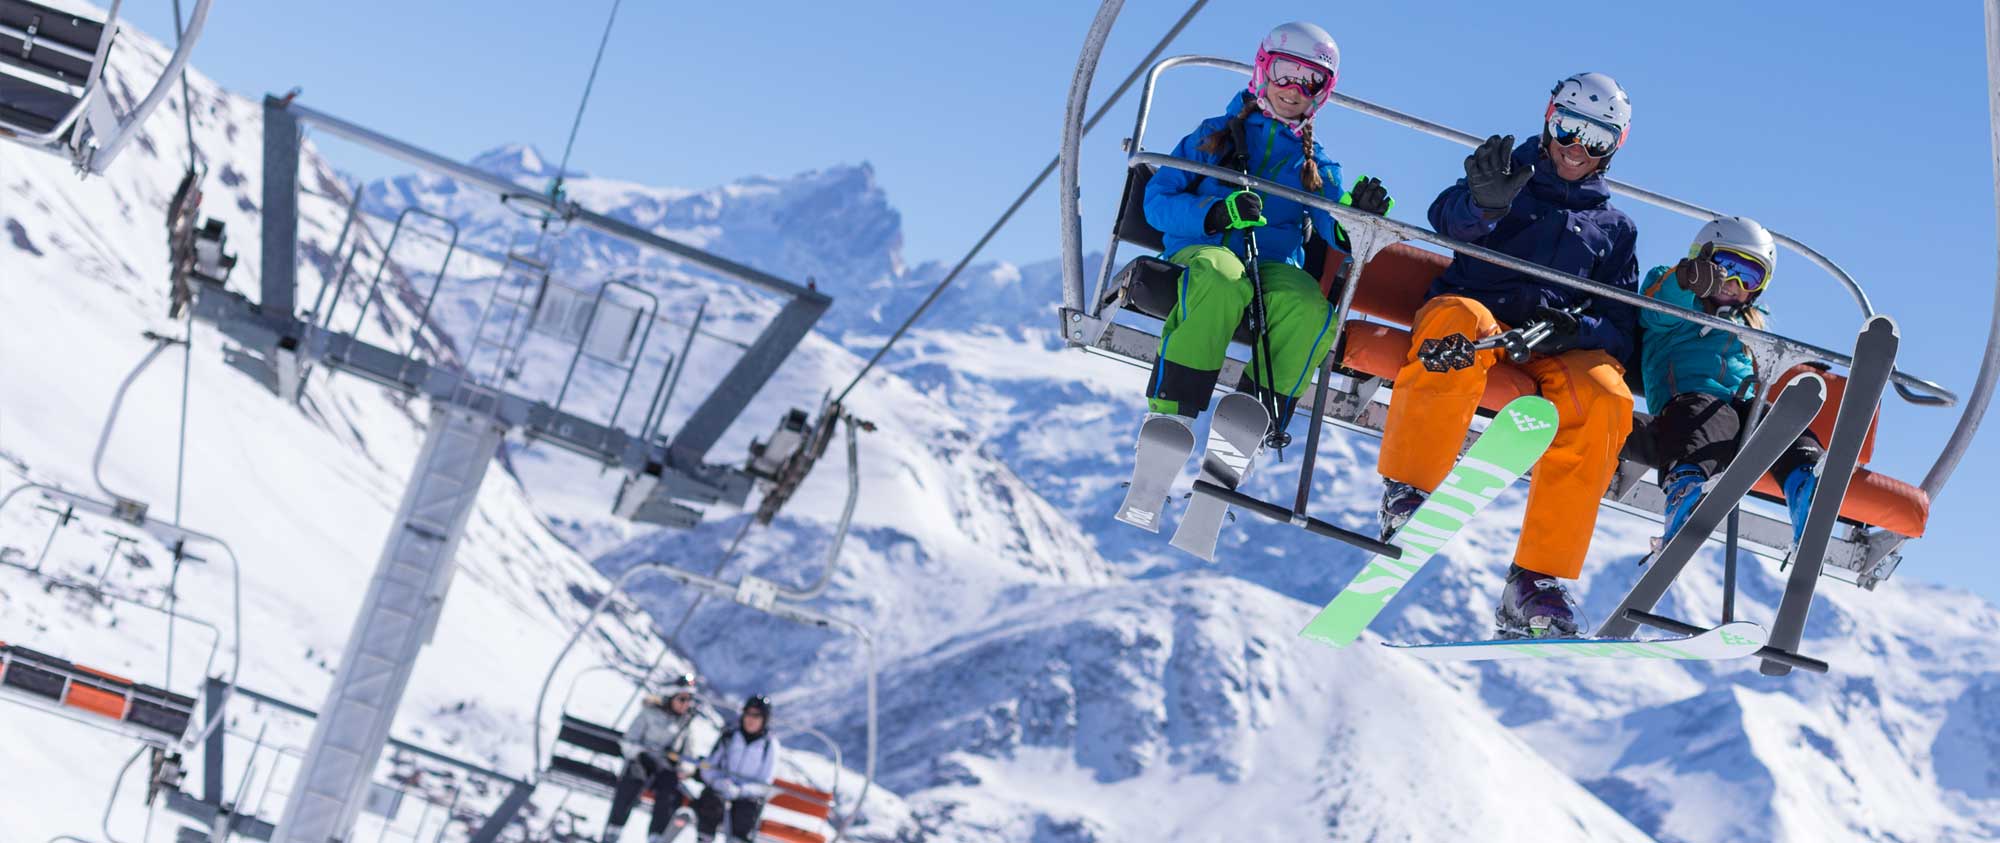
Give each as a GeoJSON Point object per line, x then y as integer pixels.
{"type": "Point", "coordinates": [653, 748]}
{"type": "Point", "coordinates": [1268, 132]}
{"type": "Point", "coordinates": [1694, 374]}
{"type": "Point", "coordinates": [1544, 201]}
{"type": "Point", "coordinates": [738, 774]}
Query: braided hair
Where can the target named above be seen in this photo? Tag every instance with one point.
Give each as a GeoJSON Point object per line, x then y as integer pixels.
{"type": "Point", "coordinates": [1222, 141]}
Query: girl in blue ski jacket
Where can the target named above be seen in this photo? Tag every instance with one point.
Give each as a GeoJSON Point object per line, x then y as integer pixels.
{"type": "Point", "coordinates": [1696, 376]}
{"type": "Point", "coordinates": [1267, 131]}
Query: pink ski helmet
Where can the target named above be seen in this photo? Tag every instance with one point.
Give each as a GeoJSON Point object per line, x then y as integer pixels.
{"type": "Point", "coordinates": [1287, 47]}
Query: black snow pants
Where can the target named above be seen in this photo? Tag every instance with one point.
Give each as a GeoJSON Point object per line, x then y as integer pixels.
{"type": "Point", "coordinates": [743, 814]}
{"type": "Point", "coordinates": [1700, 430]}
{"type": "Point", "coordinates": [664, 781]}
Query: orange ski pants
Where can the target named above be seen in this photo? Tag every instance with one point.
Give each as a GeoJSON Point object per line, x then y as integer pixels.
{"type": "Point", "coordinates": [1431, 412]}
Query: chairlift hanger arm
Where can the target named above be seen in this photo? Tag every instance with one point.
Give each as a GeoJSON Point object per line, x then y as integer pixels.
{"type": "Point", "coordinates": [1356, 220]}
{"type": "Point", "coordinates": [563, 208]}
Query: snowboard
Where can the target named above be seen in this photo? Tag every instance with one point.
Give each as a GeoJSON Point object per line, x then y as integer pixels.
{"type": "Point", "coordinates": [1787, 417]}
{"type": "Point", "coordinates": [1235, 437]}
{"type": "Point", "coordinates": [1729, 641]}
{"type": "Point", "coordinates": [1164, 445]}
{"type": "Point", "coordinates": [1519, 434]}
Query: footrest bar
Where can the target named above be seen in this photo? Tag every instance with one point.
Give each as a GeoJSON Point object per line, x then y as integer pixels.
{"type": "Point", "coordinates": [1284, 515]}
{"type": "Point", "coordinates": [1773, 654]}
{"type": "Point", "coordinates": [1662, 622]}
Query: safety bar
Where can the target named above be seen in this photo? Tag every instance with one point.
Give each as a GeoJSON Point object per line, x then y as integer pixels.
{"type": "Point", "coordinates": [1914, 389]}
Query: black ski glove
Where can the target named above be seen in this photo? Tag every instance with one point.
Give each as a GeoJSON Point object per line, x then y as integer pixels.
{"type": "Point", "coordinates": [1370, 196]}
{"type": "Point", "coordinates": [1492, 178]}
{"type": "Point", "coordinates": [1699, 274]}
{"type": "Point", "coordinates": [1564, 328]}
{"type": "Point", "coordinates": [1249, 209]}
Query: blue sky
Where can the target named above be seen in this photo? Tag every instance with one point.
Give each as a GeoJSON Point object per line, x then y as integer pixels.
{"type": "Point", "coordinates": [1860, 128]}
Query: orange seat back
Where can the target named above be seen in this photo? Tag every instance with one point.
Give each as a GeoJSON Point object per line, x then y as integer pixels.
{"type": "Point", "coordinates": [1394, 283]}
{"type": "Point", "coordinates": [803, 790]}
{"type": "Point", "coordinates": [1822, 424]}
{"type": "Point", "coordinates": [793, 802]}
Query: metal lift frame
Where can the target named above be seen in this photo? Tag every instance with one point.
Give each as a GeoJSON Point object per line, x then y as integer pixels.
{"type": "Point", "coordinates": [468, 419]}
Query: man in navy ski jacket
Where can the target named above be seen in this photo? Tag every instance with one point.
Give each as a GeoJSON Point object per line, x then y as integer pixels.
{"type": "Point", "coordinates": [1566, 226]}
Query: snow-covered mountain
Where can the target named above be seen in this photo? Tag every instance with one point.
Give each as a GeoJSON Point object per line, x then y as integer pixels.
{"type": "Point", "coordinates": [1046, 673]}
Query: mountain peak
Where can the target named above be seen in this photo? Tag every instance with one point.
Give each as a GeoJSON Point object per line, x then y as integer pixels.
{"type": "Point", "coordinates": [517, 161]}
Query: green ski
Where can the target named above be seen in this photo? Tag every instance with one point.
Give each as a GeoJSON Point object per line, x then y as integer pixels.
{"type": "Point", "coordinates": [1519, 434]}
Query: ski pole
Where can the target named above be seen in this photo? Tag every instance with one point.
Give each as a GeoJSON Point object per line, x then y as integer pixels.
{"type": "Point", "coordinates": [1261, 371]}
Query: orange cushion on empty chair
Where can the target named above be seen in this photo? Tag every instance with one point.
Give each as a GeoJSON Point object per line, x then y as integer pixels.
{"type": "Point", "coordinates": [1822, 424]}
{"type": "Point", "coordinates": [96, 700]}
{"type": "Point", "coordinates": [774, 830]}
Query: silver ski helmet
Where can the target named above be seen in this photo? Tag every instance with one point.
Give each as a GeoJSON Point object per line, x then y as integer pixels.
{"type": "Point", "coordinates": [1296, 43]}
{"type": "Point", "coordinates": [1743, 236]}
{"type": "Point", "coordinates": [1595, 98]}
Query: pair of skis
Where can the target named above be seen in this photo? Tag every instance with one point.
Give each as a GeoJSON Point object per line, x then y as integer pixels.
{"type": "Point", "coordinates": [1235, 437]}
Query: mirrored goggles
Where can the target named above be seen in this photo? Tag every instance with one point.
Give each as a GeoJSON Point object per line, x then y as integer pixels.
{"type": "Point", "coordinates": [1308, 79]}
{"type": "Point", "coordinates": [1743, 269]}
{"type": "Point", "coordinates": [1568, 127]}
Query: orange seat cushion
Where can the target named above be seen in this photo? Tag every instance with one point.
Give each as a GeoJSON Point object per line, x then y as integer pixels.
{"type": "Point", "coordinates": [1875, 499]}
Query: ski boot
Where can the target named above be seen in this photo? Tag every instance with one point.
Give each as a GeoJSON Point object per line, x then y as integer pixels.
{"type": "Point", "coordinates": [1799, 487]}
{"type": "Point", "coordinates": [1535, 605]}
{"type": "Point", "coordinates": [1682, 486]}
{"type": "Point", "coordinates": [1400, 500]}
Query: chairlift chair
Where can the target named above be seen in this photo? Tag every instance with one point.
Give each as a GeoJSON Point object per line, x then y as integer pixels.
{"type": "Point", "coordinates": [53, 95]}
{"type": "Point", "coordinates": [1880, 513]}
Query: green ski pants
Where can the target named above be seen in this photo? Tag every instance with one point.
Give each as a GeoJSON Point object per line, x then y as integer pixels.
{"type": "Point", "coordinates": [1215, 295]}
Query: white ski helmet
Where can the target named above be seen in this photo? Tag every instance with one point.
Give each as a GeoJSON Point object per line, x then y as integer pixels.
{"type": "Point", "coordinates": [1596, 96]}
{"type": "Point", "coordinates": [1305, 43]}
{"type": "Point", "coordinates": [1741, 235]}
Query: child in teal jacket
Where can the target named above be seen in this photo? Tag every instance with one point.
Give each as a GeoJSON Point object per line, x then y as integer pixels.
{"type": "Point", "coordinates": [1695, 376]}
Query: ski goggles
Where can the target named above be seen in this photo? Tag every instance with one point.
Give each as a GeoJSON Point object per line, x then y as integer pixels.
{"type": "Point", "coordinates": [1308, 79]}
{"type": "Point", "coordinates": [1567, 127]}
{"type": "Point", "coordinates": [1743, 269]}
